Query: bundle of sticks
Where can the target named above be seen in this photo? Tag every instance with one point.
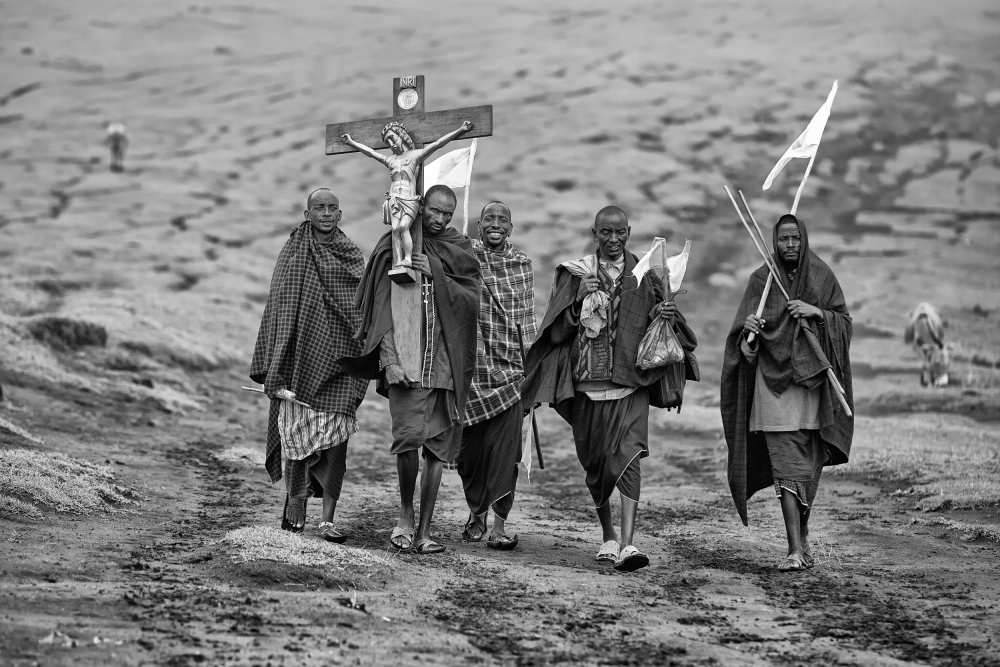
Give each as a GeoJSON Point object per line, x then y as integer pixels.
{"type": "Point", "coordinates": [772, 279]}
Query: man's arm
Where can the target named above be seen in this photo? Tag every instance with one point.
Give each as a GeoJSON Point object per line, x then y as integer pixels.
{"type": "Point", "coordinates": [427, 150]}
{"type": "Point", "coordinates": [365, 150]}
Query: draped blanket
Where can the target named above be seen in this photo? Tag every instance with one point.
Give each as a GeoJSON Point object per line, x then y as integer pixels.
{"type": "Point", "coordinates": [309, 322]}
{"type": "Point", "coordinates": [455, 273]}
{"type": "Point", "coordinates": [790, 350]}
{"type": "Point", "coordinates": [507, 299]}
{"type": "Point", "coordinates": [548, 368]}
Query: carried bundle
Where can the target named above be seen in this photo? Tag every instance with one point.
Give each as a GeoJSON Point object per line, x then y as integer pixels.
{"type": "Point", "coordinates": [660, 347]}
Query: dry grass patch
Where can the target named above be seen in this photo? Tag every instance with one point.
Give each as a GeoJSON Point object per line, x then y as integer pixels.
{"type": "Point", "coordinates": [972, 532]}
{"type": "Point", "coordinates": [30, 478]}
{"type": "Point", "coordinates": [268, 543]}
{"type": "Point", "coordinates": [951, 461]}
{"type": "Point", "coordinates": [250, 455]}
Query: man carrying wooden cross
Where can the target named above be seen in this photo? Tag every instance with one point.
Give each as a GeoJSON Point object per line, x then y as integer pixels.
{"type": "Point", "coordinates": [583, 364]}
{"type": "Point", "coordinates": [309, 321]}
{"type": "Point", "coordinates": [491, 439]}
{"type": "Point", "coordinates": [426, 409]}
{"type": "Point", "coordinates": [777, 403]}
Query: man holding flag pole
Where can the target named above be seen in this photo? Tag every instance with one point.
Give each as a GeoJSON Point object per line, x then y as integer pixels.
{"type": "Point", "coordinates": [786, 379]}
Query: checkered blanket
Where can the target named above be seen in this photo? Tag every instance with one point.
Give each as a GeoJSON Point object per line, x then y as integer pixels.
{"type": "Point", "coordinates": [505, 300]}
{"type": "Point", "coordinates": [309, 322]}
{"type": "Point", "coordinates": [790, 350]}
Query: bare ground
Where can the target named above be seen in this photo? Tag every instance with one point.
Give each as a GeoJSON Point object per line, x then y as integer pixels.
{"type": "Point", "coordinates": [649, 105]}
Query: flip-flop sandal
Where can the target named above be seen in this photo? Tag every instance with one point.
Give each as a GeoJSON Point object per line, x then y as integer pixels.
{"type": "Point", "coordinates": [502, 543]}
{"type": "Point", "coordinates": [793, 563]}
{"type": "Point", "coordinates": [400, 534]}
{"type": "Point", "coordinates": [608, 552]}
{"type": "Point", "coordinates": [470, 524]}
{"type": "Point", "coordinates": [288, 525]}
{"type": "Point", "coordinates": [331, 534]}
{"type": "Point", "coordinates": [428, 546]}
{"type": "Point", "coordinates": [808, 560]}
{"type": "Point", "coordinates": [631, 559]}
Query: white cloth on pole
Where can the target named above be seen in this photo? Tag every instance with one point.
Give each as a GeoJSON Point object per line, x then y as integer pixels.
{"type": "Point", "coordinates": [807, 143]}
{"type": "Point", "coordinates": [453, 169]}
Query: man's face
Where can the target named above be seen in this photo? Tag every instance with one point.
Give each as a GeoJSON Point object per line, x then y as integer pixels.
{"type": "Point", "coordinates": [324, 212]}
{"type": "Point", "coordinates": [789, 244]}
{"type": "Point", "coordinates": [611, 233]}
{"type": "Point", "coordinates": [495, 226]}
{"type": "Point", "coordinates": [438, 209]}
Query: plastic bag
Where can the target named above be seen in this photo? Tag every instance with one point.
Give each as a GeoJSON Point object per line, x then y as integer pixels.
{"type": "Point", "coordinates": [659, 346]}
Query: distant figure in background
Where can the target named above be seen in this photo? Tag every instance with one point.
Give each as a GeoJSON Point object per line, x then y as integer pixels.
{"type": "Point", "coordinates": [925, 332]}
{"type": "Point", "coordinates": [309, 322]}
{"type": "Point", "coordinates": [117, 140]}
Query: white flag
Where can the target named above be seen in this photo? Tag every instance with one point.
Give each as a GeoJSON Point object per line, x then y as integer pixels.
{"type": "Point", "coordinates": [807, 143]}
{"type": "Point", "coordinates": [529, 444]}
{"type": "Point", "coordinates": [671, 269]}
{"type": "Point", "coordinates": [453, 169]}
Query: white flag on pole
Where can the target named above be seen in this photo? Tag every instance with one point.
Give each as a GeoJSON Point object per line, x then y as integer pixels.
{"type": "Point", "coordinates": [655, 260]}
{"type": "Point", "coordinates": [808, 142]}
{"type": "Point", "coordinates": [453, 169]}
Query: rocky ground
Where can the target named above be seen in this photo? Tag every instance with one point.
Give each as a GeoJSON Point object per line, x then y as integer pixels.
{"type": "Point", "coordinates": [159, 276]}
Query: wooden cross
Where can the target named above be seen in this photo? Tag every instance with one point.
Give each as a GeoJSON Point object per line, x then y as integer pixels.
{"type": "Point", "coordinates": [423, 127]}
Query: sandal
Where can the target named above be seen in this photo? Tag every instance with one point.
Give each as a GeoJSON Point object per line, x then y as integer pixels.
{"type": "Point", "coordinates": [400, 534]}
{"type": "Point", "coordinates": [331, 534]}
{"type": "Point", "coordinates": [429, 546]}
{"type": "Point", "coordinates": [608, 552]}
{"type": "Point", "coordinates": [793, 563]}
{"type": "Point", "coordinates": [473, 523]}
{"type": "Point", "coordinates": [631, 559]}
{"type": "Point", "coordinates": [294, 504]}
{"type": "Point", "coordinates": [502, 543]}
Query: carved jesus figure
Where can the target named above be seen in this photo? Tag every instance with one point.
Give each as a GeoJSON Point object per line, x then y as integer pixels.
{"type": "Point", "coordinates": [402, 201]}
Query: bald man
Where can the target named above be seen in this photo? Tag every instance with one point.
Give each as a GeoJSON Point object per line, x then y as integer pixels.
{"type": "Point", "coordinates": [583, 363]}
{"type": "Point", "coordinates": [309, 322]}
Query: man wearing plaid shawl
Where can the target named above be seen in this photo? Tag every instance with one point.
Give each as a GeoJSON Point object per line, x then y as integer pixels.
{"type": "Point", "coordinates": [491, 438]}
{"type": "Point", "coordinates": [588, 373]}
{"type": "Point", "coordinates": [309, 322]}
{"type": "Point", "coordinates": [427, 410]}
{"type": "Point", "coordinates": [781, 421]}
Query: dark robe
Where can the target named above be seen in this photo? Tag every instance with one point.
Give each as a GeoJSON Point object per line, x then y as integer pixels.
{"type": "Point", "coordinates": [789, 350]}
{"type": "Point", "coordinates": [455, 272]}
{"type": "Point", "coordinates": [609, 435]}
{"type": "Point", "coordinates": [548, 369]}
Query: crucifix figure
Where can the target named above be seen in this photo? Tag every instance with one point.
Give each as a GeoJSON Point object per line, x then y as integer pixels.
{"type": "Point", "coordinates": [434, 128]}
{"type": "Point", "coordinates": [402, 202]}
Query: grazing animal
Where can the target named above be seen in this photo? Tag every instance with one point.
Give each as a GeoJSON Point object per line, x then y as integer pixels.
{"type": "Point", "coordinates": [925, 331]}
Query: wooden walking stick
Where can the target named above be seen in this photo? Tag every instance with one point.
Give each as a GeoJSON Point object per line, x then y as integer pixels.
{"type": "Point", "coordinates": [534, 424]}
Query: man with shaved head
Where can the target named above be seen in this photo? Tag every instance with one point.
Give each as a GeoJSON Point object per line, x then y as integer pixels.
{"type": "Point", "coordinates": [309, 322]}
{"type": "Point", "coordinates": [491, 439]}
{"type": "Point", "coordinates": [583, 364]}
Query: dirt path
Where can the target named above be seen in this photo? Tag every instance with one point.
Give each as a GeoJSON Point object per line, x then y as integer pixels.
{"type": "Point", "coordinates": [887, 588]}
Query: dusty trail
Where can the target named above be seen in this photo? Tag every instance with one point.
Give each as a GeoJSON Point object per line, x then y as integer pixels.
{"type": "Point", "coordinates": [652, 106]}
{"type": "Point", "coordinates": [885, 588]}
